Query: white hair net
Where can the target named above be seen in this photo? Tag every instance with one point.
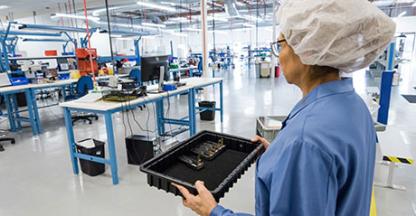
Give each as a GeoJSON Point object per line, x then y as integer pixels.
{"type": "Point", "coordinates": [343, 34]}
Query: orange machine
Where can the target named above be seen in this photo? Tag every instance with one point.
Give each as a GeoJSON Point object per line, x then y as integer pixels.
{"type": "Point", "coordinates": [87, 60]}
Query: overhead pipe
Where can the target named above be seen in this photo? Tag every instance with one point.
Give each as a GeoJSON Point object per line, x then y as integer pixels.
{"type": "Point", "coordinates": [22, 33]}
{"type": "Point", "coordinates": [44, 40]}
{"type": "Point", "coordinates": [49, 27]}
{"type": "Point", "coordinates": [126, 33]}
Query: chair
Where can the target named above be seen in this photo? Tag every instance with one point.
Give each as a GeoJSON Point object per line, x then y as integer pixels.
{"type": "Point", "coordinates": [84, 84]}
{"type": "Point", "coordinates": [4, 138]}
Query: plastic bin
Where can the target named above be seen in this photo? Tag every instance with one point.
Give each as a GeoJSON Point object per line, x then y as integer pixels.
{"type": "Point", "coordinates": [91, 168]}
{"type": "Point", "coordinates": [276, 71]}
{"type": "Point", "coordinates": [207, 115]}
{"type": "Point", "coordinates": [218, 174]}
{"type": "Point", "coordinates": [269, 126]}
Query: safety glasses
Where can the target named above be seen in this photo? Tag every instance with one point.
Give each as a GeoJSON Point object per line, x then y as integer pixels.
{"type": "Point", "coordinates": [276, 47]}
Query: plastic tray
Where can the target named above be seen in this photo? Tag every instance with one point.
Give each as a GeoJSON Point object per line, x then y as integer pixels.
{"type": "Point", "coordinates": [219, 174]}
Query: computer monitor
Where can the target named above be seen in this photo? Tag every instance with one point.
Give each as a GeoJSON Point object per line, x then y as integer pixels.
{"type": "Point", "coordinates": [63, 64]}
{"type": "Point", "coordinates": [150, 68]}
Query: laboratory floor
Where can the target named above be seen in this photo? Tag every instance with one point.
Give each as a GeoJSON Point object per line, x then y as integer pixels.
{"type": "Point", "coordinates": [36, 176]}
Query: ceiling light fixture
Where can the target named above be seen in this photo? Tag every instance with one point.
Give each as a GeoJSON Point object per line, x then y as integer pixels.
{"type": "Point", "coordinates": [61, 15]}
{"type": "Point", "coordinates": [168, 3]}
{"type": "Point", "coordinates": [116, 36]}
{"type": "Point", "coordinates": [156, 6]}
{"type": "Point", "coordinates": [193, 29]}
{"type": "Point", "coordinates": [2, 7]}
{"type": "Point", "coordinates": [248, 25]}
{"type": "Point", "coordinates": [414, 4]}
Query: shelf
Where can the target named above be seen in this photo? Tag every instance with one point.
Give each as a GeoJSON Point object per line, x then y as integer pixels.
{"type": "Point", "coordinates": [40, 57]}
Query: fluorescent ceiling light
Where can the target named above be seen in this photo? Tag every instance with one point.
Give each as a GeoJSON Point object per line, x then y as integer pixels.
{"type": "Point", "coordinates": [2, 7]}
{"type": "Point", "coordinates": [402, 14]}
{"type": "Point", "coordinates": [116, 36]}
{"type": "Point", "coordinates": [215, 4]}
{"type": "Point", "coordinates": [176, 20]}
{"type": "Point", "coordinates": [61, 15]}
{"type": "Point", "coordinates": [168, 3]}
{"type": "Point", "coordinates": [156, 6]}
{"type": "Point", "coordinates": [154, 25]}
{"type": "Point", "coordinates": [240, 4]}
{"type": "Point", "coordinates": [192, 29]}
{"type": "Point", "coordinates": [414, 4]}
{"type": "Point", "coordinates": [248, 25]}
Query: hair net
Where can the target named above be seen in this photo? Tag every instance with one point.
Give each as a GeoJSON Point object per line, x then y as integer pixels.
{"type": "Point", "coordinates": [344, 34]}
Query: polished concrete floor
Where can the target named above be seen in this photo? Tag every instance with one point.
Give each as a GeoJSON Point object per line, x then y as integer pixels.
{"type": "Point", "coordinates": [36, 176]}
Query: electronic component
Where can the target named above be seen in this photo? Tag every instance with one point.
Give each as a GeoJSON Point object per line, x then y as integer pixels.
{"type": "Point", "coordinates": [193, 161]}
{"type": "Point", "coordinates": [209, 149]}
{"type": "Point", "coordinates": [120, 96]}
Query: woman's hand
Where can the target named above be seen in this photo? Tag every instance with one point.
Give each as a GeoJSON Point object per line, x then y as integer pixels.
{"type": "Point", "coordinates": [261, 140]}
{"type": "Point", "coordinates": [203, 203]}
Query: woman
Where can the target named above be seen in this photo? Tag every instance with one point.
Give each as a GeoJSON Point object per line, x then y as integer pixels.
{"type": "Point", "coordinates": [322, 161]}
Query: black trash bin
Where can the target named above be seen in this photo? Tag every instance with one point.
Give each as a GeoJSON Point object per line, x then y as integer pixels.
{"type": "Point", "coordinates": [92, 168]}
{"type": "Point", "coordinates": [207, 115]}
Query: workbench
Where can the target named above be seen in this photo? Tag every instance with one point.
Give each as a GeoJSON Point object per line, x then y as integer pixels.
{"type": "Point", "coordinates": [13, 112]}
{"type": "Point", "coordinates": [108, 108]}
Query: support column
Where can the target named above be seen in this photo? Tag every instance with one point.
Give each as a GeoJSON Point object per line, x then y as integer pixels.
{"type": "Point", "coordinates": [204, 38]}
{"type": "Point", "coordinates": [386, 83]}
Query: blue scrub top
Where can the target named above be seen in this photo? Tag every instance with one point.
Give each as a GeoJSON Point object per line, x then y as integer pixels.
{"type": "Point", "coordinates": [322, 161]}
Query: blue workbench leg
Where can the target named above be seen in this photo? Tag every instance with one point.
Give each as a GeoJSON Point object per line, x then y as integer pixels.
{"type": "Point", "coordinates": [221, 102]}
{"type": "Point", "coordinates": [10, 114]}
{"type": "Point", "coordinates": [36, 110]}
{"type": "Point", "coordinates": [32, 117]}
{"type": "Point", "coordinates": [63, 92]}
{"type": "Point", "coordinates": [160, 117]}
{"type": "Point", "coordinates": [191, 111]}
{"type": "Point", "coordinates": [111, 146]}
{"type": "Point", "coordinates": [16, 112]}
{"type": "Point", "coordinates": [71, 140]}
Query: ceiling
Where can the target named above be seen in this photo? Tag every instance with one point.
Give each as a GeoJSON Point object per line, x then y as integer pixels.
{"type": "Point", "coordinates": [128, 15]}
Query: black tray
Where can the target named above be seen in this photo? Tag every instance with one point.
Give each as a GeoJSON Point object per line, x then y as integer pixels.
{"type": "Point", "coordinates": [218, 174]}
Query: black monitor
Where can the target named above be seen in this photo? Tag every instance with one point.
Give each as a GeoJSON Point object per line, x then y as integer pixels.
{"type": "Point", "coordinates": [63, 64]}
{"type": "Point", "coordinates": [150, 67]}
